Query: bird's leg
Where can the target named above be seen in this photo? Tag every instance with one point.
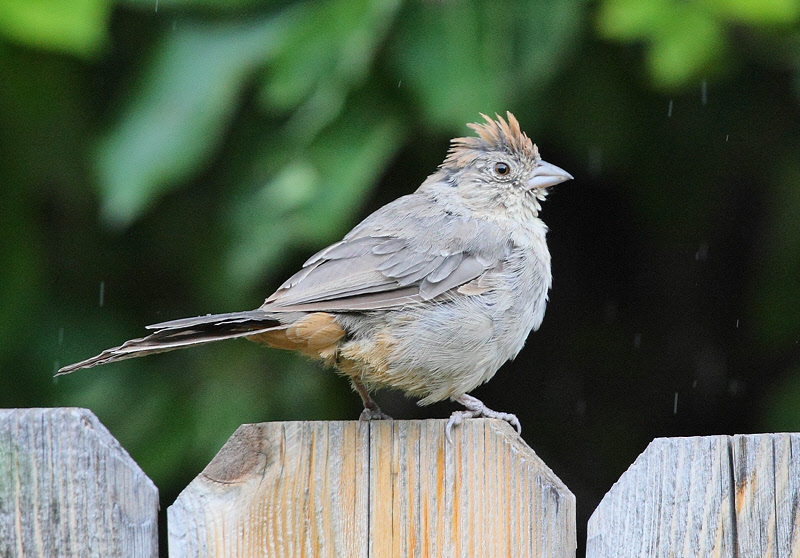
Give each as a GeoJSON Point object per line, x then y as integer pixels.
{"type": "Point", "coordinates": [475, 409]}
{"type": "Point", "coordinates": [371, 410]}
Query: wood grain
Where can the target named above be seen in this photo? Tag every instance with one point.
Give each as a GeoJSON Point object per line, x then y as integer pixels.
{"type": "Point", "coordinates": [67, 488]}
{"type": "Point", "coordinates": [704, 496]}
{"type": "Point", "coordinates": [385, 488]}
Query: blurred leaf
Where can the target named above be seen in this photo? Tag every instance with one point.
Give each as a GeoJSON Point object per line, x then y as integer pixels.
{"type": "Point", "coordinates": [462, 58]}
{"type": "Point", "coordinates": [38, 95]}
{"type": "Point", "coordinates": [686, 39]}
{"type": "Point", "coordinates": [757, 11]}
{"type": "Point", "coordinates": [180, 111]}
{"type": "Point", "coordinates": [631, 19]}
{"type": "Point", "coordinates": [336, 40]}
{"type": "Point", "coordinates": [316, 194]}
{"type": "Point", "coordinates": [328, 55]}
{"type": "Point", "coordinates": [683, 38]}
{"type": "Point", "coordinates": [74, 27]}
{"type": "Point", "coordinates": [43, 130]}
{"type": "Point", "coordinates": [685, 49]}
{"type": "Point", "coordinates": [157, 6]}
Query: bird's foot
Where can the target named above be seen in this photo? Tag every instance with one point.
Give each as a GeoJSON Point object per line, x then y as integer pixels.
{"type": "Point", "coordinates": [371, 410]}
{"type": "Point", "coordinates": [373, 413]}
{"type": "Point", "coordinates": [476, 409]}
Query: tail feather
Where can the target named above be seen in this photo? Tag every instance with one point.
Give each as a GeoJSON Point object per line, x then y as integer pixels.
{"type": "Point", "coordinates": [254, 316]}
{"type": "Point", "coordinates": [183, 333]}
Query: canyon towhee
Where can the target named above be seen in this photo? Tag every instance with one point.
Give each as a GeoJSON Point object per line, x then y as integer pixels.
{"type": "Point", "coordinates": [430, 294]}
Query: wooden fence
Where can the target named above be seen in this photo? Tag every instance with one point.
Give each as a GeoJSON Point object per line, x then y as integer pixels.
{"type": "Point", "coordinates": [286, 489]}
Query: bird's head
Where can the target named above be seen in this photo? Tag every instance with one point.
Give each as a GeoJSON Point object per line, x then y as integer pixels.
{"type": "Point", "coordinates": [499, 167]}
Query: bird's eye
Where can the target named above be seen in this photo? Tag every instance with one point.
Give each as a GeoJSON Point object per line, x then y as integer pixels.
{"type": "Point", "coordinates": [502, 168]}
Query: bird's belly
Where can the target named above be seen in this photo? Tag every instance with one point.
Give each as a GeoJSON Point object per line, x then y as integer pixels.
{"type": "Point", "coordinates": [434, 352]}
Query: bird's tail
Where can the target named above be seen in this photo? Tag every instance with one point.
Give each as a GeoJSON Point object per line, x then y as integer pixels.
{"type": "Point", "coordinates": [182, 333]}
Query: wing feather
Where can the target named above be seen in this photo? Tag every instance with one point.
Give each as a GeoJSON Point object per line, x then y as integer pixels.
{"type": "Point", "coordinates": [419, 272]}
{"type": "Point", "coordinates": [423, 255]}
{"type": "Point", "coordinates": [469, 269]}
{"type": "Point", "coordinates": [446, 268]}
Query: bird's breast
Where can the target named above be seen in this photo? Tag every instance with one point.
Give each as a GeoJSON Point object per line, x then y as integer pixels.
{"type": "Point", "coordinates": [520, 297]}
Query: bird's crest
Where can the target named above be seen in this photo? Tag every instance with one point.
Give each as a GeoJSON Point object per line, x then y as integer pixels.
{"type": "Point", "coordinates": [494, 135]}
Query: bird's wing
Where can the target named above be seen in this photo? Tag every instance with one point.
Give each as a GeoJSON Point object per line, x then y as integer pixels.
{"type": "Point", "coordinates": [379, 265]}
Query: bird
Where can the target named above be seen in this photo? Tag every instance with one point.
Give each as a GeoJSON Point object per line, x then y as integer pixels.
{"type": "Point", "coordinates": [430, 294]}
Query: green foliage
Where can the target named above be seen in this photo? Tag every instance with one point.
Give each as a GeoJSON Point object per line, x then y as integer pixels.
{"type": "Point", "coordinates": [71, 27]}
{"type": "Point", "coordinates": [688, 40]}
{"type": "Point", "coordinates": [169, 6]}
{"type": "Point", "coordinates": [312, 195]}
{"type": "Point", "coordinates": [757, 12]}
{"type": "Point", "coordinates": [461, 58]}
{"type": "Point", "coordinates": [328, 52]}
{"type": "Point", "coordinates": [179, 113]}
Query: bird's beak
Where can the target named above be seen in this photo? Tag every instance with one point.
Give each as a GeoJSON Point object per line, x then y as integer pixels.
{"type": "Point", "coordinates": [546, 175]}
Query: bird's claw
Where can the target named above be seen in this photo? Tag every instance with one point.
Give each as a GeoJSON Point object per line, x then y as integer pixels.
{"type": "Point", "coordinates": [373, 414]}
{"type": "Point", "coordinates": [476, 409]}
{"type": "Point", "coordinates": [508, 417]}
{"type": "Point", "coordinates": [455, 419]}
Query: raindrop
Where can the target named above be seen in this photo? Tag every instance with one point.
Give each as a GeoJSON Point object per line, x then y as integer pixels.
{"type": "Point", "coordinates": [737, 323]}
{"type": "Point", "coordinates": [702, 253]}
{"type": "Point", "coordinates": [675, 404]}
{"type": "Point", "coordinates": [727, 136]}
{"type": "Point", "coordinates": [156, 6]}
{"type": "Point", "coordinates": [637, 340]}
{"type": "Point", "coordinates": [595, 160]}
{"type": "Point", "coordinates": [669, 109]}
{"type": "Point", "coordinates": [102, 293]}
{"type": "Point", "coordinates": [704, 92]}
{"type": "Point", "coordinates": [398, 83]}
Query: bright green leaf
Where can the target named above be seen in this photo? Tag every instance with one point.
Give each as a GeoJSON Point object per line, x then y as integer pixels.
{"type": "Point", "coordinates": [180, 111]}
{"type": "Point", "coordinates": [684, 48]}
{"type": "Point", "coordinates": [76, 27]}
{"type": "Point", "coordinates": [630, 19]}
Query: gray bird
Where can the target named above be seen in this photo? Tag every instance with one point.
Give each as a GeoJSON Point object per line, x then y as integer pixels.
{"type": "Point", "coordinates": [431, 294]}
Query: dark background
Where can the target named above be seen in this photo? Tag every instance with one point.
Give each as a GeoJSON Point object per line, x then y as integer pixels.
{"type": "Point", "coordinates": [174, 158]}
